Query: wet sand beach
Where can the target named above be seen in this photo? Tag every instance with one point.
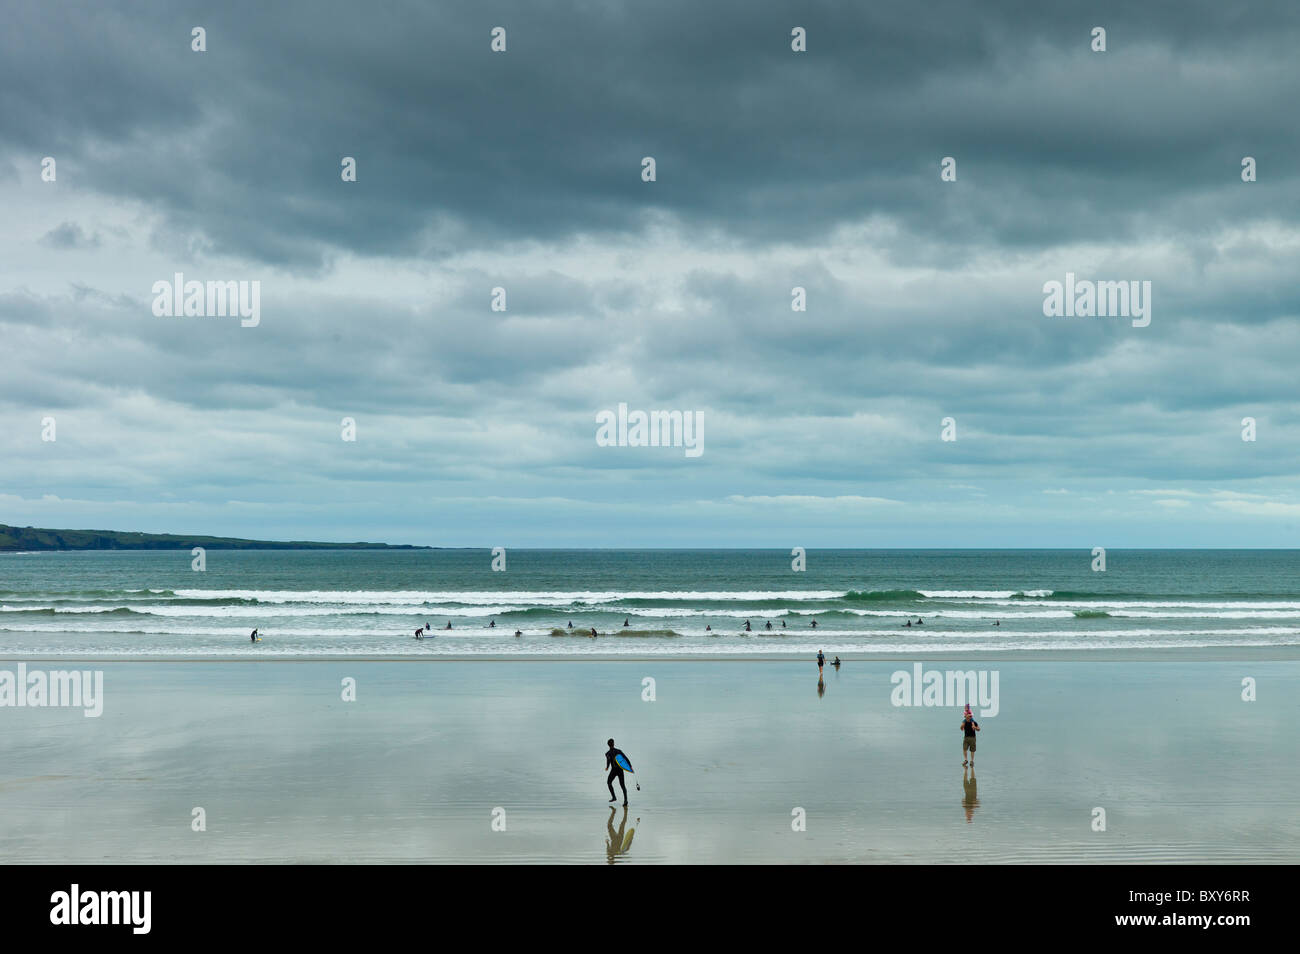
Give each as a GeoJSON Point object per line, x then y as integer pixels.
{"type": "Point", "coordinates": [731, 755]}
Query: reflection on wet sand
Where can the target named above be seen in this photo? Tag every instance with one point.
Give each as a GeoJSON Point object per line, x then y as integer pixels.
{"type": "Point", "coordinates": [970, 793]}
{"type": "Point", "coordinates": [618, 843]}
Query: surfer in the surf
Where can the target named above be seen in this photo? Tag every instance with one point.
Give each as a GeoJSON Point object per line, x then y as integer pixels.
{"type": "Point", "coordinates": [492, 625]}
{"type": "Point", "coordinates": [593, 632]}
{"type": "Point", "coordinates": [419, 633]}
{"type": "Point", "coordinates": [814, 624]}
{"type": "Point", "coordinates": [615, 771]}
{"type": "Point", "coordinates": [783, 624]}
{"type": "Point", "coordinates": [908, 624]}
{"type": "Point", "coordinates": [252, 637]}
{"type": "Point", "coordinates": [747, 626]}
{"type": "Point", "coordinates": [769, 624]}
{"type": "Point", "coordinates": [708, 628]}
{"type": "Point", "coordinates": [968, 727]}
{"type": "Point", "coordinates": [919, 621]}
{"type": "Point", "coordinates": [448, 626]}
{"type": "Point", "coordinates": [836, 663]}
{"type": "Point", "coordinates": [625, 622]}
{"type": "Point", "coordinates": [518, 633]}
{"type": "Point", "coordinates": [570, 624]}
{"type": "Point", "coordinates": [821, 661]}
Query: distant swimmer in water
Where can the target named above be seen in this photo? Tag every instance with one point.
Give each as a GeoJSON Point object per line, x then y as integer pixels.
{"type": "Point", "coordinates": [769, 624]}
{"type": "Point", "coordinates": [919, 621]}
{"type": "Point", "coordinates": [814, 624]}
{"type": "Point", "coordinates": [997, 622]}
{"type": "Point", "coordinates": [593, 632]}
{"type": "Point", "coordinates": [747, 626]}
{"type": "Point", "coordinates": [518, 633]}
{"type": "Point", "coordinates": [908, 624]}
{"type": "Point", "coordinates": [783, 624]}
{"type": "Point", "coordinates": [492, 625]}
{"type": "Point", "coordinates": [625, 622]}
{"type": "Point", "coordinates": [836, 663]}
{"type": "Point", "coordinates": [708, 629]}
{"type": "Point", "coordinates": [570, 624]}
{"type": "Point", "coordinates": [821, 661]}
{"type": "Point", "coordinates": [448, 626]}
{"type": "Point", "coordinates": [252, 637]}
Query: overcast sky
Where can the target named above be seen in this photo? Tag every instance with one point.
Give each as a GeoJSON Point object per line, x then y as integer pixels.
{"type": "Point", "coordinates": [523, 169]}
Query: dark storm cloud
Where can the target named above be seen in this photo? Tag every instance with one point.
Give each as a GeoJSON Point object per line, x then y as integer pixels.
{"type": "Point", "coordinates": [458, 146]}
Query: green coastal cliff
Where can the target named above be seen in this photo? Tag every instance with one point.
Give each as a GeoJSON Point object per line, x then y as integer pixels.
{"type": "Point", "coordinates": [35, 538]}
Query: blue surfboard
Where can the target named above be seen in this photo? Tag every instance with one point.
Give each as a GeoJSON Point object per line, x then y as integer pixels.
{"type": "Point", "coordinates": [621, 761]}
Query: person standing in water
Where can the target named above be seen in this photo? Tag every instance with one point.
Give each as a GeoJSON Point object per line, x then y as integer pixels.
{"type": "Point", "coordinates": [615, 772]}
{"type": "Point", "coordinates": [821, 661]}
{"type": "Point", "coordinates": [492, 625]}
{"type": "Point", "coordinates": [419, 633]}
{"type": "Point", "coordinates": [968, 727]}
{"type": "Point", "coordinates": [814, 624]}
{"type": "Point", "coordinates": [252, 637]}
{"type": "Point", "coordinates": [769, 624]}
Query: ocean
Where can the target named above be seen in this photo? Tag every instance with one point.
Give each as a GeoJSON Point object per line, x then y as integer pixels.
{"type": "Point", "coordinates": [688, 603]}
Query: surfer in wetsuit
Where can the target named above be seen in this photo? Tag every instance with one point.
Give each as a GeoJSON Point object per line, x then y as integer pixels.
{"type": "Point", "coordinates": [252, 637]}
{"type": "Point", "coordinates": [625, 622]}
{"type": "Point", "coordinates": [518, 633]}
{"type": "Point", "coordinates": [747, 626]}
{"type": "Point", "coordinates": [783, 624]}
{"type": "Point", "coordinates": [836, 664]}
{"type": "Point", "coordinates": [821, 661]}
{"type": "Point", "coordinates": [769, 624]}
{"type": "Point", "coordinates": [570, 624]}
{"type": "Point", "coordinates": [814, 624]}
{"type": "Point", "coordinates": [448, 626]}
{"type": "Point", "coordinates": [615, 772]}
{"type": "Point", "coordinates": [419, 633]}
{"type": "Point", "coordinates": [492, 625]}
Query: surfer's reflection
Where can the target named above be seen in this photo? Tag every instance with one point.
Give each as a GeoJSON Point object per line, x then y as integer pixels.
{"type": "Point", "coordinates": [618, 843]}
{"type": "Point", "coordinates": [970, 798]}
{"type": "Point", "coordinates": [821, 686]}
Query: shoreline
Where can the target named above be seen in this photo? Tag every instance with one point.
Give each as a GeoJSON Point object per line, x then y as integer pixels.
{"type": "Point", "coordinates": [1190, 655]}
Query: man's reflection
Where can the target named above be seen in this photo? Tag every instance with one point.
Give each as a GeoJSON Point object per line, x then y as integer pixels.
{"type": "Point", "coordinates": [618, 843]}
{"type": "Point", "coordinates": [970, 793]}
